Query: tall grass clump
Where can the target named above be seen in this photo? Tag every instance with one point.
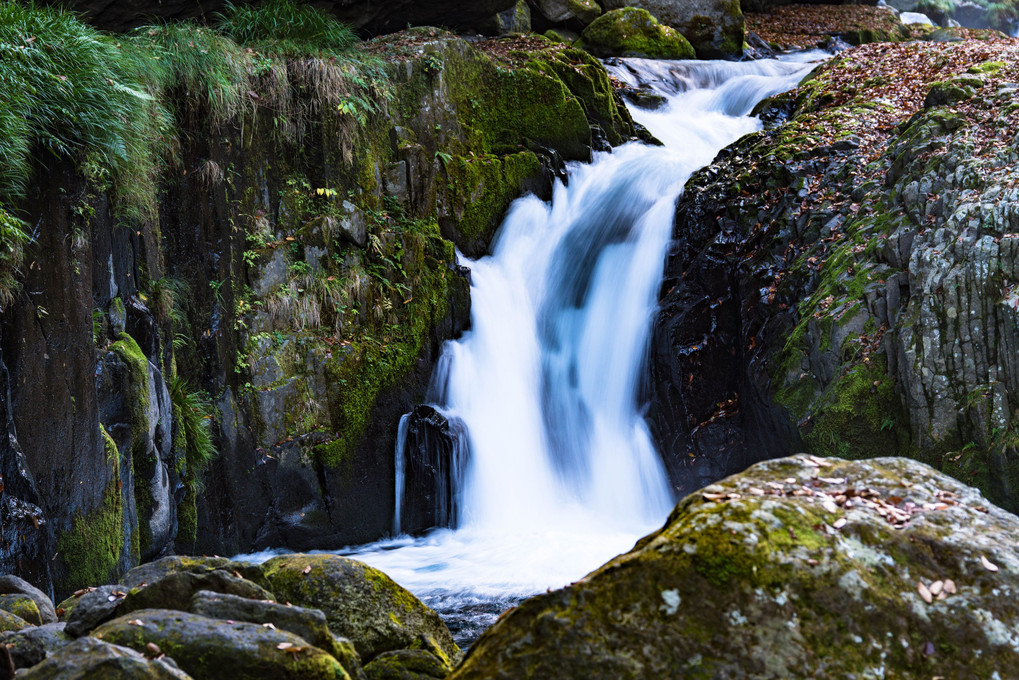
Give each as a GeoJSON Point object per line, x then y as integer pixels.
{"type": "Point", "coordinates": [306, 61]}
{"type": "Point", "coordinates": [72, 91]}
{"type": "Point", "coordinates": [202, 74]}
{"type": "Point", "coordinates": [287, 27]}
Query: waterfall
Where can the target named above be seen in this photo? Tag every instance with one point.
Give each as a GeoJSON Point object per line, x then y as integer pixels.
{"type": "Point", "coordinates": [562, 474]}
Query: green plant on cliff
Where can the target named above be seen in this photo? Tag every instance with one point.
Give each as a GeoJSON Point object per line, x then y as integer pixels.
{"type": "Point", "coordinates": [12, 253]}
{"type": "Point", "coordinates": [202, 72]}
{"type": "Point", "coordinates": [70, 90]}
{"type": "Point", "coordinates": [193, 414]}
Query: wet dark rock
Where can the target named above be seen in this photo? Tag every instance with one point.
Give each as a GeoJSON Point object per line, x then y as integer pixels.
{"type": "Point", "coordinates": [435, 455]}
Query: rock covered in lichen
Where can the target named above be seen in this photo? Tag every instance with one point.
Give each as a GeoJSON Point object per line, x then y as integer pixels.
{"type": "Point", "coordinates": [632, 32]}
{"type": "Point", "coordinates": [798, 568]}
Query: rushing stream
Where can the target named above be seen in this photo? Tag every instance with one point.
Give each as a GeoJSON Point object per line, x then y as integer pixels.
{"type": "Point", "coordinates": [562, 474]}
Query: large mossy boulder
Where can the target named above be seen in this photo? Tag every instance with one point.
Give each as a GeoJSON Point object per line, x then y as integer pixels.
{"type": "Point", "coordinates": [214, 649]}
{"type": "Point", "coordinates": [174, 591]}
{"type": "Point", "coordinates": [361, 604]}
{"type": "Point", "coordinates": [34, 644]}
{"type": "Point", "coordinates": [88, 658]}
{"type": "Point", "coordinates": [631, 32]}
{"type": "Point", "coordinates": [797, 568]}
{"type": "Point", "coordinates": [714, 27]}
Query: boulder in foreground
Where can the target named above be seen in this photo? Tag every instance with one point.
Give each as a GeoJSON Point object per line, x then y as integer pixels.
{"type": "Point", "coordinates": [797, 568]}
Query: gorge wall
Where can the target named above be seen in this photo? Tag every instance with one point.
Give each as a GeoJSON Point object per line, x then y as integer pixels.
{"type": "Point", "coordinates": [223, 369]}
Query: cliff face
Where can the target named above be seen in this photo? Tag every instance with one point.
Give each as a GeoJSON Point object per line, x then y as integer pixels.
{"type": "Point", "coordinates": [845, 277]}
{"type": "Point", "coordinates": [291, 288]}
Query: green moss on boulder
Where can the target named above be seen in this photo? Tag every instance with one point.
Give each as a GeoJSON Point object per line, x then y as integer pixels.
{"type": "Point", "coordinates": [798, 568]}
{"type": "Point", "coordinates": [361, 604]}
{"type": "Point", "coordinates": [22, 606]}
{"type": "Point", "coordinates": [633, 32]}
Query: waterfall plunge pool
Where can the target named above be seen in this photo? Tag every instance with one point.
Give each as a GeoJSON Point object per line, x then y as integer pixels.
{"type": "Point", "coordinates": [562, 474]}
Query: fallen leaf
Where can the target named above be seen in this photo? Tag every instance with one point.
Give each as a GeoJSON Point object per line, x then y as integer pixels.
{"type": "Point", "coordinates": [153, 648]}
{"type": "Point", "coordinates": [988, 565]}
{"type": "Point", "coordinates": [832, 480]}
{"type": "Point", "coordinates": [285, 645]}
{"type": "Point", "coordinates": [936, 587]}
{"type": "Point", "coordinates": [840, 522]}
{"type": "Point", "coordinates": [829, 505]}
{"type": "Point", "coordinates": [307, 570]}
{"type": "Point", "coordinates": [925, 593]}
{"type": "Point", "coordinates": [136, 622]}
{"type": "Point", "coordinates": [713, 496]}
{"type": "Point", "coordinates": [950, 586]}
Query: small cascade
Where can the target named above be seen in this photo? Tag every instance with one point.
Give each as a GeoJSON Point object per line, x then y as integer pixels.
{"type": "Point", "coordinates": [534, 459]}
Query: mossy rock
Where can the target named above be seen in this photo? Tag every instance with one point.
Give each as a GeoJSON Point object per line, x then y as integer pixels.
{"type": "Point", "coordinates": [221, 650]}
{"type": "Point", "coordinates": [800, 567]}
{"type": "Point", "coordinates": [361, 604]}
{"type": "Point", "coordinates": [407, 664]}
{"type": "Point", "coordinates": [309, 624]}
{"type": "Point", "coordinates": [632, 32]}
{"type": "Point", "coordinates": [88, 659]}
{"type": "Point", "coordinates": [9, 621]}
{"type": "Point", "coordinates": [174, 591]}
{"type": "Point", "coordinates": [22, 606]}
{"type": "Point", "coordinates": [94, 607]}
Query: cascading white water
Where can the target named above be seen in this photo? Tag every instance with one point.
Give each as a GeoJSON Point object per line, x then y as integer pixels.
{"type": "Point", "coordinates": [563, 474]}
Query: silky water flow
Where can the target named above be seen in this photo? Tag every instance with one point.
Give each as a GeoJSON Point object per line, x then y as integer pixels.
{"type": "Point", "coordinates": [562, 474]}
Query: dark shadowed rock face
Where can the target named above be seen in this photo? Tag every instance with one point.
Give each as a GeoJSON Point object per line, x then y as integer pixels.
{"type": "Point", "coordinates": [374, 16]}
{"type": "Point", "coordinates": [435, 453]}
{"type": "Point", "coordinates": [798, 568]}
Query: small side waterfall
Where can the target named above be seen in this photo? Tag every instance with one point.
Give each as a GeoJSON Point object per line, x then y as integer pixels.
{"type": "Point", "coordinates": [543, 390]}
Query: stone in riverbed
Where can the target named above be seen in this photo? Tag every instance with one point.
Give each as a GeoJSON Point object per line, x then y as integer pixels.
{"type": "Point", "coordinates": [361, 604]}
{"type": "Point", "coordinates": [797, 568]}
{"type": "Point", "coordinates": [94, 607]}
{"type": "Point", "coordinates": [407, 664]}
{"type": "Point", "coordinates": [212, 649]}
{"type": "Point", "coordinates": [88, 658]}
{"type": "Point", "coordinates": [175, 591]}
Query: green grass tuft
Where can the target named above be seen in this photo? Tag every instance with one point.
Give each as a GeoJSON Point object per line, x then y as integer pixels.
{"type": "Point", "coordinates": [287, 27]}
{"type": "Point", "coordinates": [73, 91]}
{"type": "Point", "coordinates": [13, 239]}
